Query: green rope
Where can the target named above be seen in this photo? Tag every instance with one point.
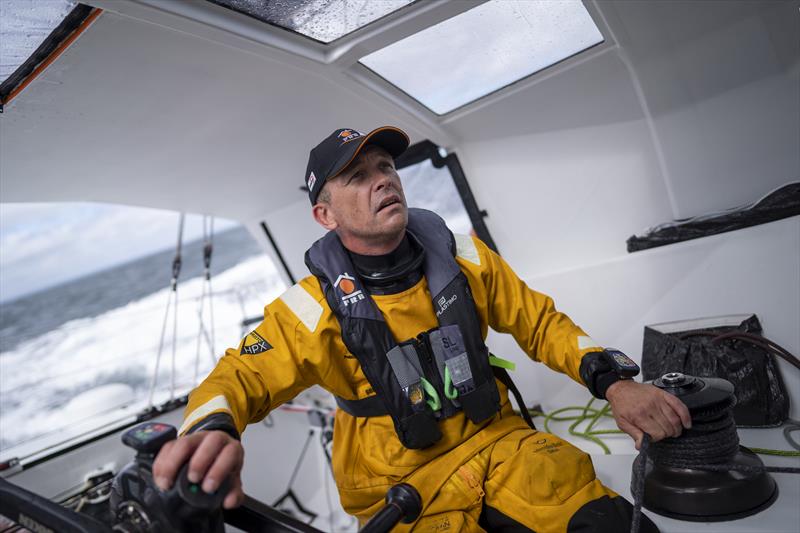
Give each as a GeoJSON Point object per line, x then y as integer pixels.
{"type": "Point", "coordinates": [587, 413]}
{"type": "Point", "coordinates": [591, 416]}
{"type": "Point", "coordinates": [781, 453]}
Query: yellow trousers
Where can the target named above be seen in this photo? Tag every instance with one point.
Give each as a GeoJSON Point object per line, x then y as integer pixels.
{"type": "Point", "coordinates": [536, 479]}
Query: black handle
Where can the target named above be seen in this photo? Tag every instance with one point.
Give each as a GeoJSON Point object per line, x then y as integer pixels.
{"type": "Point", "coordinates": [402, 504]}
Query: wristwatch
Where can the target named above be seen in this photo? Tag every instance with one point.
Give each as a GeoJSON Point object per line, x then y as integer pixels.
{"type": "Point", "coordinates": [600, 370]}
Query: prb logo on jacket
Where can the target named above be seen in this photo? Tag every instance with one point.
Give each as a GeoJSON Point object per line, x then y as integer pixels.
{"type": "Point", "coordinates": [346, 284]}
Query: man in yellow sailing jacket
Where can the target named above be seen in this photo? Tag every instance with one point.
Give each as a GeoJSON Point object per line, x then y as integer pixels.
{"type": "Point", "coordinates": [392, 322]}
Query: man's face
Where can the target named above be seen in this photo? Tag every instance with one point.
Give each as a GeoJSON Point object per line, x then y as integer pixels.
{"type": "Point", "coordinates": [367, 205]}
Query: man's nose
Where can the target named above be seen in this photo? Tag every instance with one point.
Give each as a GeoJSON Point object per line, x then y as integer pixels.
{"type": "Point", "coordinates": [382, 180]}
{"type": "Point", "coordinates": [387, 179]}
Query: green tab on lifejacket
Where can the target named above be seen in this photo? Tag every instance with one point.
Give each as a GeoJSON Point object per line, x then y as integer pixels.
{"type": "Point", "coordinates": [434, 402]}
{"type": "Point", "coordinates": [449, 390]}
{"type": "Point", "coordinates": [501, 363]}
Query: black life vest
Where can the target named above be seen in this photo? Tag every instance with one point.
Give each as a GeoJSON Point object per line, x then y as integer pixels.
{"type": "Point", "coordinates": [455, 348]}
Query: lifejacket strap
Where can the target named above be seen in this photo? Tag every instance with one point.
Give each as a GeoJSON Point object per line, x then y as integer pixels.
{"type": "Point", "coordinates": [501, 363]}
{"type": "Point", "coordinates": [502, 375]}
{"type": "Point", "coordinates": [369, 406]}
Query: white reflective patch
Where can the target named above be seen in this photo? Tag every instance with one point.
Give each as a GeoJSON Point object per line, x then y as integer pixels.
{"type": "Point", "coordinates": [465, 248]}
{"type": "Point", "coordinates": [217, 403]}
{"type": "Point", "coordinates": [585, 342]}
{"type": "Point", "coordinates": [303, 305]}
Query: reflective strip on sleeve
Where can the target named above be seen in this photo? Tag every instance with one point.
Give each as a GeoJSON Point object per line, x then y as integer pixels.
{"type": "Point", "coordinates": [217, 403]}
{"type": "Point", "coordinates": [585, 342]}
{"type": "Point", "coordinates": [465, 248]}
{"type": "Point", "coordinates": [302, 304]}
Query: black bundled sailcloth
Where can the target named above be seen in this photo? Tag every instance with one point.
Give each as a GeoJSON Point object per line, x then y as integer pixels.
{"type": "Point", "coordinates": [732, 348]}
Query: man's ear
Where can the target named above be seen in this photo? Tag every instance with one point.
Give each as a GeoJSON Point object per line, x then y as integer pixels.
{"type": "Point", "coordinates": [324, 216]}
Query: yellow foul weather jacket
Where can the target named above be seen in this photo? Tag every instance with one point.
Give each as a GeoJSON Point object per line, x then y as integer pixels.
{"type": "Point", "coordinates": [298, 344]}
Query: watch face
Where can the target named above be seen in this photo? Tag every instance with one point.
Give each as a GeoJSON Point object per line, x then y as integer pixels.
{"type": "Point", "coordinates": [622, 359]}
{"type": "Point", "coordinates": [623, 365]}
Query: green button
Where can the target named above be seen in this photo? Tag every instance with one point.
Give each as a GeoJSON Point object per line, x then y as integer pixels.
{"type": "Point", "coordinates": [194, 488]}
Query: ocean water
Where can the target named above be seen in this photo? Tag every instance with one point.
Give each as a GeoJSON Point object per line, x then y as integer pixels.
{"type": "Point", "coordinates": [102, 332]}
{"type": "Point", "coordinates": [88, 348]}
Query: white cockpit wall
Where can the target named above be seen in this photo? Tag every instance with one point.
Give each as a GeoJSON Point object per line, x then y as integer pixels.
{"type": "Point", "coordinates": [686, 108]}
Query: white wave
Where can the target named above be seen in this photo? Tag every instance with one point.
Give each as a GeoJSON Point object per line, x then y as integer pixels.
{"type": "Point", "coordinates": [39, 377]}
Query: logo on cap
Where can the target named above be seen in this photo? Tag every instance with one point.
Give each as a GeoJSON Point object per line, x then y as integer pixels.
{"type": "Point", "coordinates": [346, 283]}
{"type": "Point", "coordinates": [312, 179]}
{"type": "Point", "coordinates": [348, 135]}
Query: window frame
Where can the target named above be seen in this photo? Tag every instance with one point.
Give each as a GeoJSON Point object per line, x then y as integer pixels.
{"type": "Point", "coordinates": [54, 44]}
{"type": "Point", "coordinates": [427, 150]}
{"type": "Point", "coordinates": [332, 42]}
{"type": "Point", "coordinates": [606, 42]}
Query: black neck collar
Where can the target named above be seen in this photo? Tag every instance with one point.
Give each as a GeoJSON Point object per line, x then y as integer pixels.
{"type": "Point", "coordinates": [394, 272]}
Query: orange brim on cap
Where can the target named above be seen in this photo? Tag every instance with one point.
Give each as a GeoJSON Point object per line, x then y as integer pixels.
{"type": "Point", "coordinates": [393, 140]}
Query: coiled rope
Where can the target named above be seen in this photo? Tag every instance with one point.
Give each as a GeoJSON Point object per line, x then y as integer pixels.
{"type": "Point", "coordinates": [710, 444]}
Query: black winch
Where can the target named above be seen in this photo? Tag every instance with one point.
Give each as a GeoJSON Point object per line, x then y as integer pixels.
{"type": "Point", "coordinates": [704, 475]}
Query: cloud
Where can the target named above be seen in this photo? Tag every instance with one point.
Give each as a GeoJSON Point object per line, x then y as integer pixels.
{"type": "Point", "coordinates": [46, 244]}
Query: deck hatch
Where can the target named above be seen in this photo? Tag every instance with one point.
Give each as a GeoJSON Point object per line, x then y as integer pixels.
{"type": "Point", "coordinates": [321, 20]}
{"type": "Point", "coordinates": [493, 45]}
{"type": "Point", "coordinates": [25, 26]}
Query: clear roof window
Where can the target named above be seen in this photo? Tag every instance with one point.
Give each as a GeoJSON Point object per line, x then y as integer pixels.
{"type": "Point", "coordinates": [484, 49]}
{"type": "Point", "coordinates": [24, 25]}
{"type": "Point", "coordinates": [323, 20]}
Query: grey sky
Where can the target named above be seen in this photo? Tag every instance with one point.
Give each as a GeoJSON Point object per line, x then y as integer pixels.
{"type": "Point", "coordinates": [42, 245]}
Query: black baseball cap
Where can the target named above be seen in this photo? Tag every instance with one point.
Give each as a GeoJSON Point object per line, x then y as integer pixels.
{"type": "Point", "coordinates": [341, 147]}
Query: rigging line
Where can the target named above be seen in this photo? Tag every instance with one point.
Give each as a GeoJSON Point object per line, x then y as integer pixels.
{"type": "Point", "coordinates": [160, 349]}
{"type": "Point", "coordinates": [172, 295]}
{"type": "Point", "coordinates": [200, 330]}
{"type": "Point", "coordinates": [213, 346]}
{"type": "Point", "coordinates": [208, 248]}
{"type": "Point", "coordinates": [201, 306]}
{"type": "Point", "coordinates": [203, 333]}
{"type": "Point", "coordinates": [174, 347]}
{"type": "Point", "coordinates": [201, 302]}
{"type": "Point", "coordinates": [176, 272]}
{"type": "Point", "coordinates": [210, 291]}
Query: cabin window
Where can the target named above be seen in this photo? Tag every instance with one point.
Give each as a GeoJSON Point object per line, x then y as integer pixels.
{"type": "Point", "coordinates": [83, 297]}
{"type": "Point", "coordinates": [321, 20]}
{"type": "Point", "coordinates": [33, 34]}
{"type": "Point", "coordinates": [26, 24]}
{"type": "Point", "coordinates": [484, 49]}
{"type": "Point", "coordinates": [434, 180]}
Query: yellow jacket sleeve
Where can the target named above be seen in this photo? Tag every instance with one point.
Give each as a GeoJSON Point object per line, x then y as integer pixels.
{"type": "Point", "coordinates": [271, 365]}
{"type": "Point", "coordinates": [543, 332]}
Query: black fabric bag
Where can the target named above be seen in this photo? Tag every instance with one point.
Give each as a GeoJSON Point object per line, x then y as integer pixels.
{"type": "Point", "coordinates": [725, 347]}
